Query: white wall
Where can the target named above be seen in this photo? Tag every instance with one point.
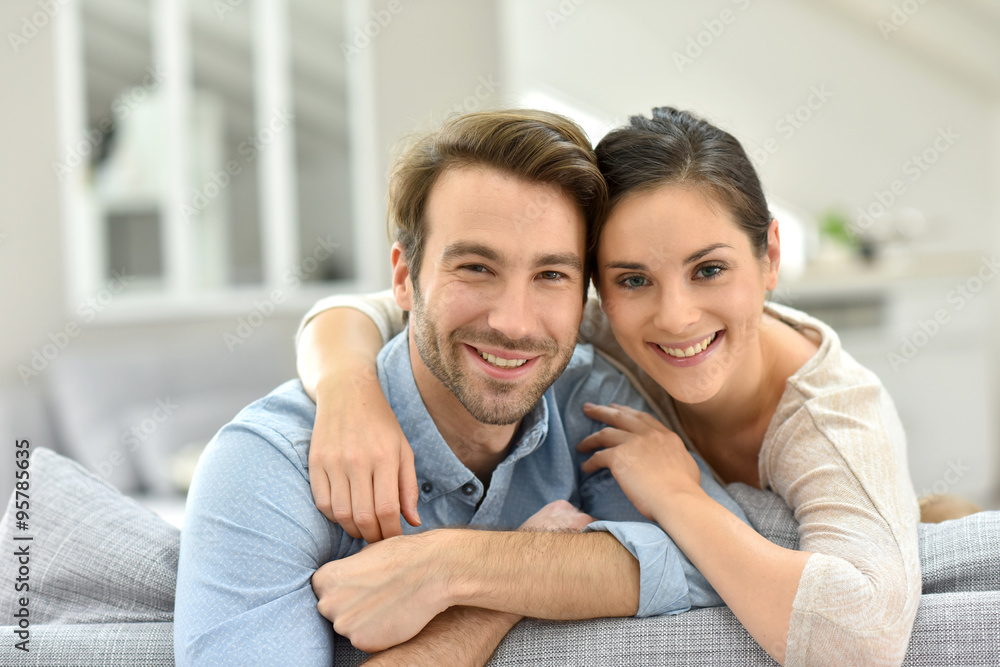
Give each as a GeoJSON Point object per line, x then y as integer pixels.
{"type": "Point", "coordinates": [618, 59]}
{"type": "Point", "coordinates": [31, 253]}
{"type": "Point", "coordinates": [433, 60]}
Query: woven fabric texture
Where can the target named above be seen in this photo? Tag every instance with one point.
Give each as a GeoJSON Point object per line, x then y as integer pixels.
{"type": "Point", "coordinates": [96, 556]}
{"type": "Point", "coordinates": [92, 645]}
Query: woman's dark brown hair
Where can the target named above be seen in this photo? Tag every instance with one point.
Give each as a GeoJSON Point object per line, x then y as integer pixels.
{"type": "Point", "coordinates": [678, 148]}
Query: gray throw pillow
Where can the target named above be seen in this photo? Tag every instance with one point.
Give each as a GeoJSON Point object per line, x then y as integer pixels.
{"type": "Point", "coordinates": [96, 556]}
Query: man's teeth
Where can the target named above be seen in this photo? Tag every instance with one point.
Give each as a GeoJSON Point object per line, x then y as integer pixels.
{"type": "Point", "coordinates": [501, 362]}
{"type": "Point", "coordinates": [691, 350]}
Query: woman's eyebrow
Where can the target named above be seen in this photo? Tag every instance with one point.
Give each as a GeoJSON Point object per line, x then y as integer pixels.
{"type": "Point", "coordinates": [704, 251]}
{"type": "Point", "coordinates": [629, 266]}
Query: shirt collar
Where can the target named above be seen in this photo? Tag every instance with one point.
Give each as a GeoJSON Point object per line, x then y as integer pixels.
{"type": "Point", "coordinates": [433, 459]}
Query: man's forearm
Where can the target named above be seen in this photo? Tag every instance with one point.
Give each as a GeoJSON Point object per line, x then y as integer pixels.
{"type": "Point", "coordinates": [457, 637]}
{"type": "Point", "coordinates": [390, 591]}
{"type": "Point", "coordinates": [558, 576]}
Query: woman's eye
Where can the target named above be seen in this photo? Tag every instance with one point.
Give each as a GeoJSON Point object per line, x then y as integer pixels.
{"type": "Point", "coordinates": [709, 272]}
{"type": "Point", "coordinates": [633, 282]}
{"type": "Point", "coordinates": [551, 275]}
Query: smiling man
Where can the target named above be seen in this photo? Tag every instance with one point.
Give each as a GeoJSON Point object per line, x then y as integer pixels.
{"type": "Point", "coordinates": [491, 216]}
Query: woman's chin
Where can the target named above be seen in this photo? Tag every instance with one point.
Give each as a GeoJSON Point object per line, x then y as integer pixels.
{"type": "Point", "coordinates": [686, 385]}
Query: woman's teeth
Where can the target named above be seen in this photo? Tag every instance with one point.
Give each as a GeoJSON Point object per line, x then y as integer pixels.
{"type": "Point", "coordinates": [691, 350]}
{"type": "Point", "coordinates": [500, 362]}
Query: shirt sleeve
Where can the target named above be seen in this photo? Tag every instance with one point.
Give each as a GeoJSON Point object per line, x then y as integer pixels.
{"type": "Point", "coordinates": [668, 582]}
{"type": "Point", "coordinates": [251, 542]}
{"type": "Point", "coordinates": [838, 463]}
{"type": "Point", "coordinates": [380, 307]}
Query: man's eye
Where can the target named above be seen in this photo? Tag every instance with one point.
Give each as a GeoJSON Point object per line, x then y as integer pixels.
{"type": "Point", "coordinates": [475, 268]}
{"type": "Point", "coordinates": [552, 275]}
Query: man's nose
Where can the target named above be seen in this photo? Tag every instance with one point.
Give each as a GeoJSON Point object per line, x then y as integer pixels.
{"type": "Point", "coordinates": [513, 313]}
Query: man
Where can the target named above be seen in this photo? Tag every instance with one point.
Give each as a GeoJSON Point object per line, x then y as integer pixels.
{"type": "Point", "coordinates": [491, 216]}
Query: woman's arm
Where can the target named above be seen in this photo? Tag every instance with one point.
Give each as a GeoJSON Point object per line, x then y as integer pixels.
{"type": "Point", "coordinates": [854, 588]}
{"type": "Point", "coordinates": [662, 480]}
{"type": "Point", "coordinates": [360, 464]}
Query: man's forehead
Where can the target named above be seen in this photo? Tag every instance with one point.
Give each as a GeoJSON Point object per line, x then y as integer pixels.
{"type": "Point", "coordinates": [484, 210]}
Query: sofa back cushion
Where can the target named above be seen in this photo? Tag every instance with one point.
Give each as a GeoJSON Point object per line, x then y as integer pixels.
{"type": "Point", "coordinates": [95, 555]}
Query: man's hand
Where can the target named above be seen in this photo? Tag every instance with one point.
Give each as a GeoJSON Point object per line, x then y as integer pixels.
{"type": "Point", "coordinates": [386, 593]}
{"type": "Point", "coordinates": [558, 516]}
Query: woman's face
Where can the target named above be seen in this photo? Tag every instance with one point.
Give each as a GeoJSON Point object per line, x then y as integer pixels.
{"type": "Point", "coordinates": [683, 290]}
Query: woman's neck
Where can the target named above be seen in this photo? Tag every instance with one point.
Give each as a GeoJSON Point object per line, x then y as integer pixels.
{"type": "Point", "coordinates": [732, 424]}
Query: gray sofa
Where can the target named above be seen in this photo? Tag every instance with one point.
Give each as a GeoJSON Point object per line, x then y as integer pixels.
{"type": "Point", "coordinates": [103, 571]}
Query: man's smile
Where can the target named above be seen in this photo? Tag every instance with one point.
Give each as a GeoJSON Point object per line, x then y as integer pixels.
{"type": "Point", "coordinates": [503, 364]}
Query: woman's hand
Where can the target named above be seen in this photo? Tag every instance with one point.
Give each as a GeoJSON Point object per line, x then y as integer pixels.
{"type": "Point", "coordinates": [649, 461]}
{"type": "Point", "coordinates": [360, 463]}
{"type": "Point", "coordinates": [559, 516]}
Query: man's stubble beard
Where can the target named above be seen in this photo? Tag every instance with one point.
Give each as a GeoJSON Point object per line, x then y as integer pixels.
{"type": "Point", "coordinates": [450, 373]}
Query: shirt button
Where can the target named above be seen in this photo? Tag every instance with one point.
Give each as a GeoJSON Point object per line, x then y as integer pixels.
{"type": "Point", "coordinates": [468, 489]}
{"type": "Point", "coordinates": [426, 487]}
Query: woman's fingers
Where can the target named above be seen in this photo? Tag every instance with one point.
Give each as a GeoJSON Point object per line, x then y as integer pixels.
{"type": "Point", "coordinates": [363, 505]}
{"type": "Point", "coordinates": [606, 437]}
{"type": "Point", "coordinates": [320, 485]}
{"type": "Point", "coordinates": [386, 488]}
{"type": "Point", "coordinates": [343, 512]}
{"type": "Point", "coordinates": [597, 461]}
{"type": "Point", "coordinates": [619, 416]}
{"type": "Point", "coordinates": [409, 490]}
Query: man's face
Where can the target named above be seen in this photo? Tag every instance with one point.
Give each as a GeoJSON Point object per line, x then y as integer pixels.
{"type": "Point", "coordinates": [500, 295]}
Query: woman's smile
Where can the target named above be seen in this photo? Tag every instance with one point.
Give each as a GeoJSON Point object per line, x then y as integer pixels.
{"type": "Point", "coordinates": [689, 353]}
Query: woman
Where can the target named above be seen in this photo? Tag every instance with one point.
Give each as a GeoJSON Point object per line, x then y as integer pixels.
{"type": "Point", "coordinates": [765, 394]}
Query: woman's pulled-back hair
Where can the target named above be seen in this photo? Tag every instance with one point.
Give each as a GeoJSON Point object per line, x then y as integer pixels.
{"type": "Point", "coordinates": [678, 148]}
{"type": "Point", "coordinates": [535, 146]}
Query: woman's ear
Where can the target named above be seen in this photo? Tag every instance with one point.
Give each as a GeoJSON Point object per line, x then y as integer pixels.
{"type": "Point", "coordinates": [773, 256]}
{"type": "Point", "coordinates": [402, 283]}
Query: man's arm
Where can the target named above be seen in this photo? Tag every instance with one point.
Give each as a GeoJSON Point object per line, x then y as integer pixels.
{"type": "Point", "coordinates": [457, 637]}
{"type": "Point", "coordinates": [251, 541]}
{"type": "Point", "coordinates": [469, 635]}
{"type": "Point", "coordinates": [390, 591]}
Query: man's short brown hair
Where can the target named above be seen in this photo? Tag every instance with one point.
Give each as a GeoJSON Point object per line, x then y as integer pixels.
{"type": "Point", "coordinates": [536, 146]}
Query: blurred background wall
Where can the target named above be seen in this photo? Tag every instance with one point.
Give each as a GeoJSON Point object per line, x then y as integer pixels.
{"type": "Point", "coordinates": [183, 179]}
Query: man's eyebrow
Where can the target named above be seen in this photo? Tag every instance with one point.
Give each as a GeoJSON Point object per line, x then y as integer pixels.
{"type": "Point", "coordinates": [567, 259]}
{"type": "Point", "coordinates": [704, 251]}
{"type": "Point", "coordinates": [459, 249]}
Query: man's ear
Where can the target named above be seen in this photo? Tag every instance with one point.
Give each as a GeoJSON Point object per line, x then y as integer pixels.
{"type": "Point", "coordinates": [773, 257]}
{"type": "Point", "coordinates": [402, 284]}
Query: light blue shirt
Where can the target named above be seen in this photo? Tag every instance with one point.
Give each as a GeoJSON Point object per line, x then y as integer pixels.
{"type": "Point", "coordinates": [253, 536]}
